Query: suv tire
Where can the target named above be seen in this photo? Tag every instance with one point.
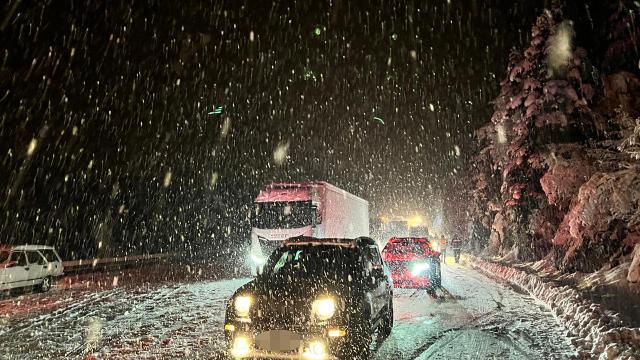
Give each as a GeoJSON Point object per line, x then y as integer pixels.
{"type": "Point", "coordinates": [387, 321]}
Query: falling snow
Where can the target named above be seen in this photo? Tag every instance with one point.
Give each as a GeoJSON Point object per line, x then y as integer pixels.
{"type": "Point", "coordinates": [137, 129]}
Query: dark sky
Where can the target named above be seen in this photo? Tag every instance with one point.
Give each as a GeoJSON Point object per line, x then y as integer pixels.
{"type": "Point", "coordinates": [113, 97]}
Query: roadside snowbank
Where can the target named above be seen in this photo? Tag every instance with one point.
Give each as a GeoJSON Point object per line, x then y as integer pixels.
{"type": "Point", "coordinates": [633, 275]}
{"type": "Point", "coordinates": [596, 333]}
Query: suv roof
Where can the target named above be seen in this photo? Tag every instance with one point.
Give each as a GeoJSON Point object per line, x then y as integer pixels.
{"type": "Point", "coordinates": [343, 242]}
{"type": "Point", "coordinates": [26, 247]}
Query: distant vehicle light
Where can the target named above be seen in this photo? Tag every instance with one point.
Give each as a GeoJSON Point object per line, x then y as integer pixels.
{"type": "Point", "coordinates": [324, 309]}
{"type": "Point", "coordinates": [419, 268]}
{"type": "Point", "coordinates": [230, 327]}
{"type": "Point", "coordinates": [414, 221]}
{"type": "Point", "coordinates": [243, 305]}
{"type": "Point", "coordinates": [336, 333]}
{"type": "Point", "coordinates": [241, 347]}
{"type": "Point", "coordinates": [316, 350]}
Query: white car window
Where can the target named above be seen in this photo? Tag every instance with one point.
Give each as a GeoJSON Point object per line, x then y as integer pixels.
{"type": "Point", "coordinates": [50, 255]}
{"type": "Point", "coordinates": [35, 258]}
{"type": "Point", "coordinates": [19, 257]}
{"type": "Point", "coordinates": [4, 255]}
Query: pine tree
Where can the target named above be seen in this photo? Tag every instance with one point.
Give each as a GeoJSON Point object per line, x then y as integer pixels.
{"type": "Point", "coordinates": [543, 100]}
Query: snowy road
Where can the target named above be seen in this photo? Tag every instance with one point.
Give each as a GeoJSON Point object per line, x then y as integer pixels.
{"type": "Point", "coordinates": [471, 317]}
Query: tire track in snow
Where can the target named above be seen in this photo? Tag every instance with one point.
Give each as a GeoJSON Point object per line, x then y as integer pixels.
{"type": "Point", "coordinates": [426, 345]}
{"type": "Point", "coordinates": [23, 325]}
{"type": "Point", "coordinates": [472, 316]}
{"type": "Point", "coordinates": [180, 320]}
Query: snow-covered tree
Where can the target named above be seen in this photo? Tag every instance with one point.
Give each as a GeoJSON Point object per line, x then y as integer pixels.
{"type": "Point", "coordinates": [543, 100]}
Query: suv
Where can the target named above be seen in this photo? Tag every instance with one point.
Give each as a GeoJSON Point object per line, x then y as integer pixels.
{"type": "Point", "coordinates": [29, 265]}
{"type": "Point", "coordinates": [314, 299]}
{"type": "Point", "coordinates": [413, 263]}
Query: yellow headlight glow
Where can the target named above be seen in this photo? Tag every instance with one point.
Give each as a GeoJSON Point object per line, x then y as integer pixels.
{"type": "Point", "coordinates": [316, 351]}
{"type": "Point", "coordinates": [243, 305]}
{"type": "Point", "coordinates": [324, 309]}
{"type": "Point", "coordinates": [241, 347]}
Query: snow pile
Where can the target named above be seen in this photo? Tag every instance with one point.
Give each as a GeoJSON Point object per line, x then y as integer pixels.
{"type": "Point", "coordinates": [631, 144]}
{"type": "Point", "coordinates": [595, 332]}
{"type": "Point", "coordinates": [607, 201]}
{"type": "Point", "coordinates": [634, 269]}
{"type": "Point", "coordinates": [569, 168]}
{"type": "Point", "coordinates": [611, 278]}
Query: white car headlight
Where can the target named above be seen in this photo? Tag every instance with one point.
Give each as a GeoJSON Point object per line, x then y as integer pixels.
{"type": "Point", "coordinates": [324, 309]}
{"type": "Point", "coordinates": [419, 268]}
{"type": "Point", "coordinates": [242, 305]}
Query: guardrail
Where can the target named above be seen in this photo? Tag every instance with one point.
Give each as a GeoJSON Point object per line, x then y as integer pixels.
{"type": "Point", "coordinates": [77, 266]}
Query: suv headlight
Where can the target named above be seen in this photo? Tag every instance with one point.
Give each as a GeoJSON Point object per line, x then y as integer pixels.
{"type": "Point", "coordinates": [324, 309]}
{"type": "Point", "coordinates": [419, 268]}
{"type": "Point", "coordinates": [242, 305]}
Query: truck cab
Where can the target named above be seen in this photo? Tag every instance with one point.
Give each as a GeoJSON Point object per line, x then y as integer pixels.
{"type": "Point", "coordinates": [318, 209]}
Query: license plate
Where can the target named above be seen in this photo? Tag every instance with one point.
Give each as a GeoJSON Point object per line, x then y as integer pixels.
{"type": "Point", "coordinates": [278, 340]}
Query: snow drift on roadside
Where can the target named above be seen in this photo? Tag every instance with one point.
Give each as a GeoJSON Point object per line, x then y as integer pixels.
{"type": "Point", "coordinates": [595, 332]}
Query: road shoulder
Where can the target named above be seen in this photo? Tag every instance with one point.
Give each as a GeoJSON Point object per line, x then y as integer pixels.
{"type": "Point", "coordinates": [596, 332]}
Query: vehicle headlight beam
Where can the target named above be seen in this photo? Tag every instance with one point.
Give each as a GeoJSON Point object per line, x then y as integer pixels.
{"type": "Point", "coordinates": [419, 268]}
{"type": "Point", "coordinates": [242, 305]}
{"type": "Point", "coordinates": [324, 309]}
{"type": "Point", "coordinates": [316, 350]}
{"type": "Point", "coordinates": [241, 347]}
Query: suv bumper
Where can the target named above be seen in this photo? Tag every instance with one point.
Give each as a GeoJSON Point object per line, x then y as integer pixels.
{"type": "Point", "coordinates": [332, 340]}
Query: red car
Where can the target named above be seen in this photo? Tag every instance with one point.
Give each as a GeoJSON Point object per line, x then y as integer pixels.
{"type": "Point", "coordinates": [413, 263]}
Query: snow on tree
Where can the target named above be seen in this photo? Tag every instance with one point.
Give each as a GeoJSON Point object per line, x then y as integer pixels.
{"type": "Point", "coordinates": [544, 100]}
{"type": "Point", "coordinates": [562, 147]}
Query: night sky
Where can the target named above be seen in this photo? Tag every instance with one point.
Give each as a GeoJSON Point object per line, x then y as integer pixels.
{"type": "Point", "coordinates": [105, 124]}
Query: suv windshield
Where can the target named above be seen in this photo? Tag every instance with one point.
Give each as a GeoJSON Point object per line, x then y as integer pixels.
{"type": "Point", "coordinates": [314, 261]}
{"type": "Point", "coordinates": [4, 255]}
{"type": "Point", "coordinates": [283, 215]}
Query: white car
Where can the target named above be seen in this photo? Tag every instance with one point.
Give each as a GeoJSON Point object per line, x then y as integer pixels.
{"type": "Point", "coordinates": [29, 265]}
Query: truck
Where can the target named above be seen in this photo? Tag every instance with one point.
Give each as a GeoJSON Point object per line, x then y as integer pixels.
{"type": "Point", "coordinates": [316, 209]}
{"type": "Point", "coordinates": [401, 226]}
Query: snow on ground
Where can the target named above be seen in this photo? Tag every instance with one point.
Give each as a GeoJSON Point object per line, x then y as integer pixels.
{"type": "Point", "coordinates": [471, 317]}
{"type": "Point", "coordinates": [152, 322]}
{"type": "Point", "coordinates": [596, 332]}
